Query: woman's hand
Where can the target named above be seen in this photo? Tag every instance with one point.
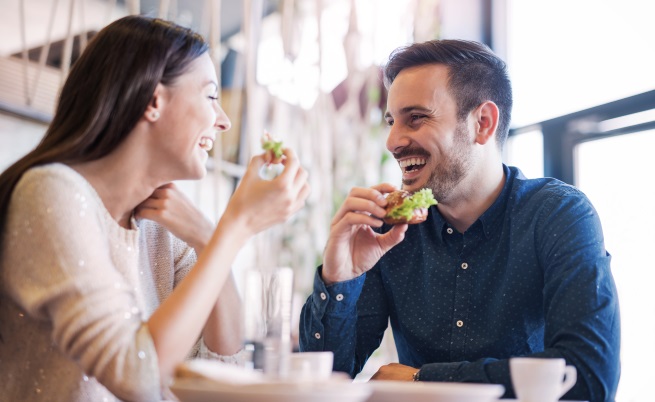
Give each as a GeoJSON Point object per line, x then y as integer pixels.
{"type": "Point", "coordinates": [259, 204]}
{"type": "Point", "coordinates": [169, 207]}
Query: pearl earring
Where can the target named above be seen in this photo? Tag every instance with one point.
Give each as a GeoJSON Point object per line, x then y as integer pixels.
{"type": "Point", "coordinates": [154, 115]}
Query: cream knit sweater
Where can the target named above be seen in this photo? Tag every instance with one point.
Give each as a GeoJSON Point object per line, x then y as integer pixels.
{"type": "Point", "coordinates": [76, 291]}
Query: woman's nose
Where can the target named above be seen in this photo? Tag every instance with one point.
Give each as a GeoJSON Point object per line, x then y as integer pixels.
{"type": "Point", "coordinates": [222, 121]}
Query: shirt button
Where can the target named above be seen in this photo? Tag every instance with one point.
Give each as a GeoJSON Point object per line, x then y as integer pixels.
{"type": "Point", "coordinates": [317, 335]}
{"type": "Point", "coordinates": [339, 297]}
{"type": "Point", "coordinates": [464, 265]}
{"type": "Point", "coordinates": [449, 230]}
{"type": "Point", "coordinates": [323, 296]}
{"type": "Point", "coordinates": [460, 324]}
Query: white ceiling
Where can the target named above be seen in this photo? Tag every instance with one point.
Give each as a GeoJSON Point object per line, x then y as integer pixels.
{"type": "Point", "coordinates": [94, 14]}
{"type": "Point", "coordinates": [37, 17]}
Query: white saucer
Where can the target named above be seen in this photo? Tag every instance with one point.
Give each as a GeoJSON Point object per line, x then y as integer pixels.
{"type": "Point", "coordinates": [394, 391]}
{"type": "Point", "coordinates": [205, 390]}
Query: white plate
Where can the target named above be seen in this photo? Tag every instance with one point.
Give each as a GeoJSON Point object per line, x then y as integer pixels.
{"type": "Point", "coordinates": [394, 391]}
{"type": "Point", "coordinates": [205, 390]}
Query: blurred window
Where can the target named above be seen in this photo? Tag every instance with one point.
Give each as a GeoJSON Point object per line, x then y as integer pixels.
{"type": "Point", "coordinates": [566, 56]}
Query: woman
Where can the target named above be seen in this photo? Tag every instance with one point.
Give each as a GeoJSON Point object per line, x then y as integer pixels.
{"type": "Point", "coordinates": [110, 277]}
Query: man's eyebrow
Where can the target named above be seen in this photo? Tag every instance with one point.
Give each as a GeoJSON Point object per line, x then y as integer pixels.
{"type": "Point", "coordinates": [408, 109]}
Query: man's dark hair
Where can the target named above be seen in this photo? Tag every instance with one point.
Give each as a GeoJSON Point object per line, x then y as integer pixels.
{"type": "Point", "coordinates": [475, 75]}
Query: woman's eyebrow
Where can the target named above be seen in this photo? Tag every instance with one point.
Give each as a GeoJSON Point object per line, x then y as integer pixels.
{"type": "Point", "coordinates": [213, 83]}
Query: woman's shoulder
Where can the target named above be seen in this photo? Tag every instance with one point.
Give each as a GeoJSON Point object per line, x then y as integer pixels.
{"type": "Point", "coordinates": [52, 173]}
{"type": "Point", "coordinates": [51, 185]}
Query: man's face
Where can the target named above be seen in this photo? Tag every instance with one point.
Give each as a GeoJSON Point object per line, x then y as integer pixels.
{"type": "Point", "coordinates": [433, 149]}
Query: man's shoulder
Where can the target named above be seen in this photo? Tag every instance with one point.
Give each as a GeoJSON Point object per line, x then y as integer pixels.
{"type": "Point", "coordinates": [546, 196]}
{"type": "Point", "coordinates": [541, 189]}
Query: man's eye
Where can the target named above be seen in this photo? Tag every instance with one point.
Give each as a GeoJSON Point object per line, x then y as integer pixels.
{"type": "Point", "coordinates": [389, 122]}
{"type": "Point", "coordinates": [415, 117]}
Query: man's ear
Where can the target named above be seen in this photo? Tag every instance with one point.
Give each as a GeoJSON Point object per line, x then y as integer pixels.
{"type": "Point", "coordinates": [486, 116]}
{"type": "Point", "coordinates": [153, 111]}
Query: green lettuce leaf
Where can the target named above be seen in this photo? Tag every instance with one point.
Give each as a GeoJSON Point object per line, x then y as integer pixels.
{"type": "Point", "coordinates": [420, 199]}
{"type": "Point", "coordinates": [275, 146]}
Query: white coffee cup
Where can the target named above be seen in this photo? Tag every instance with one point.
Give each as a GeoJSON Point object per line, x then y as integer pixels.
{"type": "Point", "coordinates": [311, 366]}
{"type": "Point", "coordinates": [541, 379]}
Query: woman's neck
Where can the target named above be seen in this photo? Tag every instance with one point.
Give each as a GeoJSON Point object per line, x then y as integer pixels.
{"type": "Point", "coordinates": [121, 184]}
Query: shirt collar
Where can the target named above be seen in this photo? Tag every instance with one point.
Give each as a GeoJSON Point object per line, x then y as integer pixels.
{"type": "Point", "coordinates": [492, 217]}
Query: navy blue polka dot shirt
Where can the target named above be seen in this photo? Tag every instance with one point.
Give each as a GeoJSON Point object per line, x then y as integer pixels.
{"type": "Point", "coordinates": [530, 277]}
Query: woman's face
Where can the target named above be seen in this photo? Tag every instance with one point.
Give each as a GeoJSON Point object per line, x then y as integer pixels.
{"type": "Point", "coordinates": [191, 118]}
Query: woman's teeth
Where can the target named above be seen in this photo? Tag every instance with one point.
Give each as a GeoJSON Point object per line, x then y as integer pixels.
{"type": "Point", "coordinates": [206, 143]}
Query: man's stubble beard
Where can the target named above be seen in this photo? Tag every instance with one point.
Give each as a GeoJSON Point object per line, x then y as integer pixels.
{"type": "Point", "coordinates": [451, 171]}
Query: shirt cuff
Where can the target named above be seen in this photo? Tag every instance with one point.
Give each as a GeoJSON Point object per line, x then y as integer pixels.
{"type": "Point", "coordinates": [444, 372]}
{"type": "Point", "coordinates": [338, 297]}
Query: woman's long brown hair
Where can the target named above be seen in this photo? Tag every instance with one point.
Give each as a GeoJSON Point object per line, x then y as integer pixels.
{"type": "Point", "coordinates": [106, 93]}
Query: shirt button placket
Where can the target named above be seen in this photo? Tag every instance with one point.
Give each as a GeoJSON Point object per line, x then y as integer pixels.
{"type": "Point", "coordinates": [460, 323]}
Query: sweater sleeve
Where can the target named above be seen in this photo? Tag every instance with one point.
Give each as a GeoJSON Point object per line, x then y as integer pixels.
{"type": "Point", "coordinates": [185, 259]}
{"type": "Point", "coordinates": [60, 270]}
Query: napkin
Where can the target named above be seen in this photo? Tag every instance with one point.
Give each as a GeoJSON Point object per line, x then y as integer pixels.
{"type": "Point", "coordinates": [218, 371]}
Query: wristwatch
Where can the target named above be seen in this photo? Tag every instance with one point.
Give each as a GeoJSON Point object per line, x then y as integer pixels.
{"type": "Point", "coordinates": [416, 376]}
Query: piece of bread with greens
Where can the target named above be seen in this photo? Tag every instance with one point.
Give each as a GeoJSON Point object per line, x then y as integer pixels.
{"type": "Point", "coordinates": [405, 207]}
{"type": "Point", "coordinates": [273, 148]}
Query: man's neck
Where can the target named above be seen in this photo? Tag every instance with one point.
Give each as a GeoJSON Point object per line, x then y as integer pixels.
{"type": "Point", "coordinates": [478, 193]}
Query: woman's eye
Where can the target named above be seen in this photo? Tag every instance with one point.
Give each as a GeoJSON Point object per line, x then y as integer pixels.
{"type": "Point", "coordinates": [389, 122]}
{"type": "Point", "coordinates": [213, 98]}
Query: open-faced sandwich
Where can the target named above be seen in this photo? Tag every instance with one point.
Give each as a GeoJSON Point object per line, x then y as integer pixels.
{"type": "Point", "coordinates": [405, 207]}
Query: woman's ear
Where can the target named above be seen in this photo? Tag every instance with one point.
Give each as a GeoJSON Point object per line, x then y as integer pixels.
{"type": "Point", "coordinates": [486, 115]}
{"type": "Point", "coordinates": [153, 111]}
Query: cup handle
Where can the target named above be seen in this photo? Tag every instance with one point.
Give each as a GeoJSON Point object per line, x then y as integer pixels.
{"type": "Point", "coordinates": [570, 378]}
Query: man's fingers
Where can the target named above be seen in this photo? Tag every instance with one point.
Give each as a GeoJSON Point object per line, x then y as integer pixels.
{"type": "Point", "coordinates": [351, 219]}
{"type": "Point", "coordinates": [393, 237]}
{"type": "Point", "coordinates": [359, 206]}
{"type": "Point", "coordinates": [384, 188]}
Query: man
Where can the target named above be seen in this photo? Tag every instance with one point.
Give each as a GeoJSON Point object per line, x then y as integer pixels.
{"type": "Point", "coordinates": [503, 266]}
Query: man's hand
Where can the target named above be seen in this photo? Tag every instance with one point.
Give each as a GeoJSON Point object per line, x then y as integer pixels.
{"type": "Point", "coordinates": [353, 247]}
{"type": "Point", "coordinates": [395, 372]}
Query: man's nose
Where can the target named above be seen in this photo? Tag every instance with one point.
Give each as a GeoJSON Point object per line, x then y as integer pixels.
{"type": "Point", "coordinates": [397, 139]}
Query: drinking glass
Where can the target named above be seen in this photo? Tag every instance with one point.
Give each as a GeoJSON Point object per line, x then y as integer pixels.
{"type": "Point", "coordinates": [267, 319]}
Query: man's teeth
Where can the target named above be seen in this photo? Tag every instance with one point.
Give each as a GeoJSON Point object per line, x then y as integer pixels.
{"type": "Point", "coordinates": [206, 143]}
{"type": "Point", "coordinates": [411, 162]}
